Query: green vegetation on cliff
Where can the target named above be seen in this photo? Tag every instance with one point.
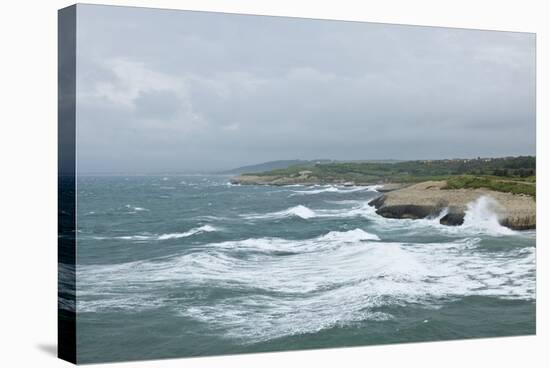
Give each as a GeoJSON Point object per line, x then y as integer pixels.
{"type": "Point", "coordinates": [499, 184]}
{"type": "Point", "coordinates": [511, 174]}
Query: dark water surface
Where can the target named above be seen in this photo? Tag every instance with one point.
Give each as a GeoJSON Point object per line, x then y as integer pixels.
{"type": "Point", "coordinates": [190, 265]}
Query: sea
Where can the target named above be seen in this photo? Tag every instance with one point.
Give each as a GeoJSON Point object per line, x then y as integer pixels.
{"type": "Point", "coordinates": [182, 266]}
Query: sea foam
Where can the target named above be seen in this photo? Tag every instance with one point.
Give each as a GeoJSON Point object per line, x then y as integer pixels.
{"type": "Point", "coordinates": [330, 280]}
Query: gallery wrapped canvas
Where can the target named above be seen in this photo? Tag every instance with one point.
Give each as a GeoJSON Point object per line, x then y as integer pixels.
{"type": "Point", "coordinates": [236, 184]}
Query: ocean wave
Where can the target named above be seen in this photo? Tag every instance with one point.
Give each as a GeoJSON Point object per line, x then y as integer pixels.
{"type": "Point", "coordinates": [167, 236]}
{"type": "Point", "coordinates": [349, 236]}
{"type": "Point", "coordinates": [363, 209]}
{"type": "Point", "coordinates": [297, 211]}
{"type": "Point", "coordinates": [335, 189]}
{"type": "Point", "coordinates": [202, 229]}
{"type": "Point", "coordinates": [331, 240]}
{"type": "Point", "coordinates": [481, 218]}
{"type": "Point", "coordinates": [287, 287]}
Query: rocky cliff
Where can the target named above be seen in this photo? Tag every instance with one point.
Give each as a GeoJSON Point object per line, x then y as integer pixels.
{"type": "Point", "coordinates": [429, 199]}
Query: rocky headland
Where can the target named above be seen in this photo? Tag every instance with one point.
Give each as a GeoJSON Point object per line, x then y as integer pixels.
{"type": "Point", "coordinates": [430, 198]}
{"type": "Point", "coordinates": [249, 179]}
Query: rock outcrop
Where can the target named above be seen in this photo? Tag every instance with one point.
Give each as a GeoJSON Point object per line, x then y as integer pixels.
{"type": "Point", "coordinates": [429, 199]}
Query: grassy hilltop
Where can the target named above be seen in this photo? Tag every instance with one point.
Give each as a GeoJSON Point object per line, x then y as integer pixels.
{"type": "Point", "coordinates": [508, 174]}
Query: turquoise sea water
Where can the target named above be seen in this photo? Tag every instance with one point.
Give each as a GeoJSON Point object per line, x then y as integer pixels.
{"type": "Point", "coordinates": [181, 266]}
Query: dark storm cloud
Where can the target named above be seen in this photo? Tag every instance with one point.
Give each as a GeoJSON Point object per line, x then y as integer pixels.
{"type": "Point", "coordinates": [167, 90]}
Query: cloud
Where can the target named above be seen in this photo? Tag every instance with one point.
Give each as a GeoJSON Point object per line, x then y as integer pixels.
{"type": "Point", "coordinates": [148, 98]}
{"type": "Point", "coordinates": [166, 90]}
{"type": "Point", "coordinates": [128, 80]}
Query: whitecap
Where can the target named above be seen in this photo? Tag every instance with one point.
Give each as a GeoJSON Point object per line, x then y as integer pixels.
{"type": "Point", "coordinates": [349, 236]}
{"type": "Point", "coordinates": [167, 236]}
{"type": "Point", "coordinates": [481, 218]}
{"type": "Point", "coordinates": [298, 211]}
{"type": "Point", "coordinates": [330, 189]}
{"type": "Point", "coordinates": [135, 237]}
{"type": "Point", "coordinates": [326, 282]}
{"type": "Point", "coordinates": [202, 229]}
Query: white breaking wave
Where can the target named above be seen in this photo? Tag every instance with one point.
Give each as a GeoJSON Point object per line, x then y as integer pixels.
{"type": "Point", "coordinates": [299, 211]}
{"type": "Point", "coordinates": [482, 216]}
{"type": "Point", "coordinates": [350, 236]}
{"type": "Point", "coordinates": [333, 239]}
{"type": "Point", "coordinates": [202, 229]}
{"type": "Point", "coordinates": [333, 189]}
{"type": "Point", "coordinates": [330, 280]}
{"type": "Point", "coordinates": [304, 212]}
{"type": "Point", "coordinates": [143, 237]}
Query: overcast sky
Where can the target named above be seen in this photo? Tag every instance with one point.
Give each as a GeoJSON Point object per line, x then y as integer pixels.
{"type": "Point", "coordinates": [162, 90]}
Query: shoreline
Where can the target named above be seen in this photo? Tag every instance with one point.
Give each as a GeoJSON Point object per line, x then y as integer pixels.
{"type": "Point", "coordinates": [430, 199]}
{"type": "Point", "coordinates": [426, 200]}
{"type": "Point", "coordinates": [308, 182]}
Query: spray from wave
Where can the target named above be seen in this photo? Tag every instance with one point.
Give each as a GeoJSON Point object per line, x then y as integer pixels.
{"type": "Point", "coordinates": [482, 216]}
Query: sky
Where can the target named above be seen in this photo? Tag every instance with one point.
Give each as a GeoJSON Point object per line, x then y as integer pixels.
{"type": "Point", "coordinates": [181, 91]}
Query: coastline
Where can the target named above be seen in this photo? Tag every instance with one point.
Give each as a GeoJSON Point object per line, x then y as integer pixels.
{"type": "Point", "coordinates": [430, 199]}
{"type": "Point", "coordinates": [426, 199]}
{"type": "Point", "coordinates": [307, 180]}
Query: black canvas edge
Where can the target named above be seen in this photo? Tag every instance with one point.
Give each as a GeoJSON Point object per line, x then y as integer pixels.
{"type": "Point", "coordinates": [66, 185]}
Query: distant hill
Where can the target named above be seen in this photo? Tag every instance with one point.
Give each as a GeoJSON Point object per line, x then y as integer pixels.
{"type": "Point", "coordinates": [506, 174]}
{"type": "Point", "coordinates": [273, 165]}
